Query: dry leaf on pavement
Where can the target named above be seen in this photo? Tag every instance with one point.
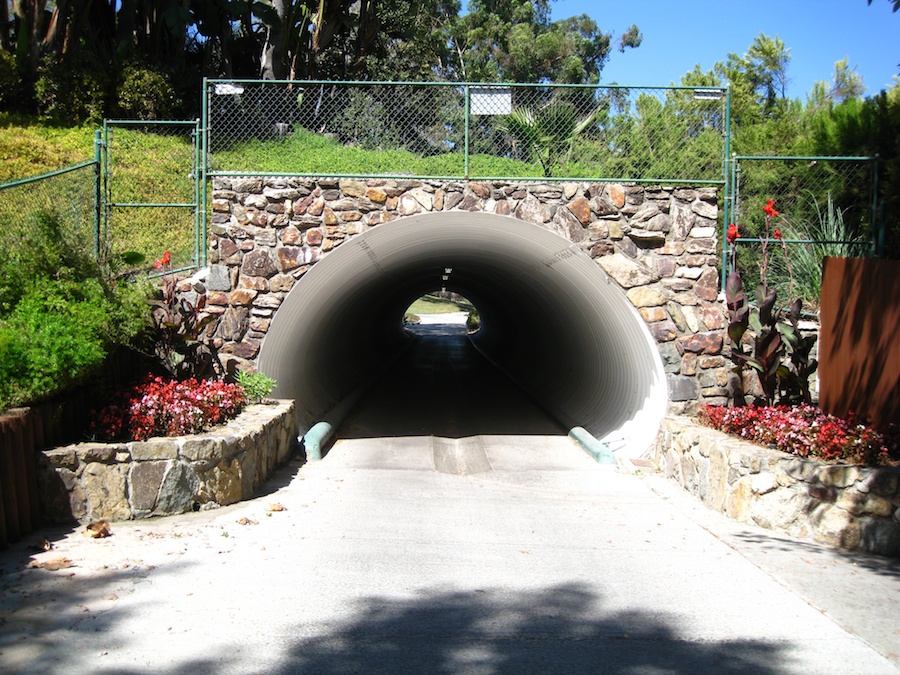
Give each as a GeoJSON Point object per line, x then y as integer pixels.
{"type": "Point", "coordinates": [98, 529]}
{"type": "Point", "coordinates": [51, 565]}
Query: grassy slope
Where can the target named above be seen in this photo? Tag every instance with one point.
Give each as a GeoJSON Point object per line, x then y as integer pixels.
{"type": "Point", "coordinates": [28, 148]}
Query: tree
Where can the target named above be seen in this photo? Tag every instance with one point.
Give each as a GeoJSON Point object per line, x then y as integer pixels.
{"type": "Point", "coordinates": [515, 41]}
{"type": "Point", "coordinates": [847, 83]}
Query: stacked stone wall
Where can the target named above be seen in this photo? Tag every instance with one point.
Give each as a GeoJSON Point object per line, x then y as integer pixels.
{"type": "Point", "coordinates": [167, 476]}
{"type": "Point", "coordinates": [658, 243]}
{"type": "Point", "coordinates": [843, 506]}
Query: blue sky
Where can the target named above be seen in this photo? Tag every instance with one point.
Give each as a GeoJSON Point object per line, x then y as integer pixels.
{"type": "Point", "coordinates": [681, 33]}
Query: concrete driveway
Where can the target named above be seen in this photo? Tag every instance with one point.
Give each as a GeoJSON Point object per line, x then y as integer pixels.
{"type": "Point", "coordinates": [438, 543]}
{"type": "Point", "coordinates": [375, 566]}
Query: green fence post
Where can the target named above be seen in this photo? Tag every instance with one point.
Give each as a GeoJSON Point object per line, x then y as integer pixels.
{"type": "Point", "coordinates": [98, 189]}
{"type": "Point", "coordinates": [466, 134]}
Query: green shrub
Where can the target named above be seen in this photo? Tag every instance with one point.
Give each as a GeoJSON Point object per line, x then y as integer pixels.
{"type": "Point", "coordinates": [40, 247]}
{"type": "Point", "coordinates": [256, 385]}
{"type": "Point", "coordinates": [54, 337]}
{"type": "Point", "coordinates": [73, 91]}
{"type": "Point", "coordinates": [146, 93]}
{"type": "Point", "coordinates": [61, 312]}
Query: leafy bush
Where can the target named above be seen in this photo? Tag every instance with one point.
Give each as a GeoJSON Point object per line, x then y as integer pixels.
{"type": "Point", "coordinates": [256, 385]}
{"type": "Point", "coordinates": [159, 407]}
{"type": "Point", "coordinates": [57, 335]}
{"type": "Point", "coordinates": [806, 431]}
{"type": "Point", "coordinates": [61, 313]}
{"type": "Point", "coordinates": [182, 344]}
{"type": "Point", "coordinates": [73, 91]}
{"type": "Point", "coordinates": [146, 93]}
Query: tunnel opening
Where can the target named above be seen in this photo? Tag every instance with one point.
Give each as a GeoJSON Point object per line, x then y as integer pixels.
{"type": "Point", "coordinates": [551, 321]}
{"type": "Point", "coordinates": [442, 306]}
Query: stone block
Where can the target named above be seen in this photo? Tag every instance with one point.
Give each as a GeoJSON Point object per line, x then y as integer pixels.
{"type": "Point", "coordinates": [202, 447]}
{"type": "Point", "coordinates": [178, 490]}
{"type": "Point", "coordinates": [682, 388]}
{"type": "Point", "coordinates": [644, 296]}
{"type": "Point", "coordinates": [222, 483]}
{"type": "Point", "coordinates": [62, 457]}
{"type": "Point", "coordinates": [626, 272]}
{"type": "Point", "coordinates": [144, 481]}
{"type": "Point", "coordinates": [860, 503]}
{"type": "Point", "coordinates": [880, 536]}
{"type": "Point", "coordinates": [155, 448]}
{"type": "Point", "coordinates": [838, 476]}
{"type": "Point", "coordinates": [835, 527]}
{"type": "Point", "coordinates": [778, 509]}
{"type": "Point", "coordinates": [105, 488]}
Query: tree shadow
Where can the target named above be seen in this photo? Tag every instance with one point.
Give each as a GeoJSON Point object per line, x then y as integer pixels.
{"type": "Point", "coordinates": [881, 565]}
{"type": "Point", "coordinates": [557, 629]}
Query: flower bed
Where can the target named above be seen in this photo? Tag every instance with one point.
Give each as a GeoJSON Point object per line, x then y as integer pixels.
{"type": "Point", "coordinates": [159, 407]}
{"type": "Point", "coordinates": [806, 431]}
{"type": "Point", "coordinates": [845, 506]}
{"type": "Point", "coordinates": [167, 475]}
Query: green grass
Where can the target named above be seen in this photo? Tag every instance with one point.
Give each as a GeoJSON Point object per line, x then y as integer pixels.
{"type": "Point", "coordinates": [430, 304]}
{"type": "Point", "coordinates": [307, 153]}
{"type": "Point", "coordinates": [144, 168]}
{"type": "Point", "coordinates": [29, 148]}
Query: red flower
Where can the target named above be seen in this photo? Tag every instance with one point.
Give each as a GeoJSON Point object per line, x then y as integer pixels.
{"type": "Point", "coordinates": [769, 208]}
{"type": "Point", "coordinates": [162, 262]}
{"type": "Point", "coordinates": [733, 233]}
{"type": "Point", "coordinates": [776, 234]}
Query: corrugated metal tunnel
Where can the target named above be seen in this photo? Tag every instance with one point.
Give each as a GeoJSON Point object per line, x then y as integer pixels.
{"type": "Point", "coordinates": [551, 319]}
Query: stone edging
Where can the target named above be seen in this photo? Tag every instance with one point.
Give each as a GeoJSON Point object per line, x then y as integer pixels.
{"type": "Point", "coordinates": [166, 476]}
{"type": "Point", "coordinates": [849, 507]}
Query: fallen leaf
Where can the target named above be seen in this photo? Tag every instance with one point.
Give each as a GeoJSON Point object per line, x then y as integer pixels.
{"type": "Point", "coordinates": [51, 565]}
{"type": "Point", "coordinates": [276, 507]}
{"type": "Point", "coordinates": [246, 521]}
{"type": "Point", "coordinates": [98, 529]}
{"type": "Point", "coordinates": [42, 545]}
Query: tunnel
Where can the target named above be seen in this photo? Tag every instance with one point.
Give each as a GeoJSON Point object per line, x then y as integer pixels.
{"type": "Point", "coordinates": [551, 319]}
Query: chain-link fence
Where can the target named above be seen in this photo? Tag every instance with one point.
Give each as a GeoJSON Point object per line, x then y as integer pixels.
{"type": "Point", "coordinates": [448, 130]}
{"type": "Point", "coordinates": [827, 207]}
{"type": "Point", "coordinates": [152, 197]}
{"type": "Point", "coordinates": [69, 197]}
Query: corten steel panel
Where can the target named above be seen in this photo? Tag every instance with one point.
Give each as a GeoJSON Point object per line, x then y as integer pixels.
{"type": "Point", "coordinates": [859, 356]}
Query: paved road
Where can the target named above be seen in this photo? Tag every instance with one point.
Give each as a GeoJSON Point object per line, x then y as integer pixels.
{"type": "Point", "coordinates": [417, 554]}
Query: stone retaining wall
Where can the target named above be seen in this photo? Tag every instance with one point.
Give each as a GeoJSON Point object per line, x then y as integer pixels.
{"type": "Point", "coordinates": [658, 243]}
{"type": "Point", "coordinates": [166, 476]}
{"type": "Point", "coordinates": [849, 507]}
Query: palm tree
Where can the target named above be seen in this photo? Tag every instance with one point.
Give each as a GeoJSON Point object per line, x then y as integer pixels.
{"type": "Point", "coordinates": [548, 135]}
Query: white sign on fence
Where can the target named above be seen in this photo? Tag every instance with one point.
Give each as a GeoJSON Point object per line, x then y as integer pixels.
{"type": "Point", "coordinates": [491, 101]}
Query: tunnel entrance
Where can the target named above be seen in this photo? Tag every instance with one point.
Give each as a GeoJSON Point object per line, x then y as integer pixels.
{"type": "Point", "coordinates": [551, 320]}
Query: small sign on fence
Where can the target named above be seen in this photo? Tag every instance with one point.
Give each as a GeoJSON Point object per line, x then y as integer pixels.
{"type": "Point", "coordinates": [491, 101]}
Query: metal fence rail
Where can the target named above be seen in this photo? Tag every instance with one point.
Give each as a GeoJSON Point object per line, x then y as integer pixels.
{"type": "Point", "coordinates": [466, 131]}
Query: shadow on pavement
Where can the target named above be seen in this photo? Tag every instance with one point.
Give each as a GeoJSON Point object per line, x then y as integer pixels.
{"type": "Point", "coordinates": [553, 630]}
{"type": "Point", "coordinates": [881, 565]}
